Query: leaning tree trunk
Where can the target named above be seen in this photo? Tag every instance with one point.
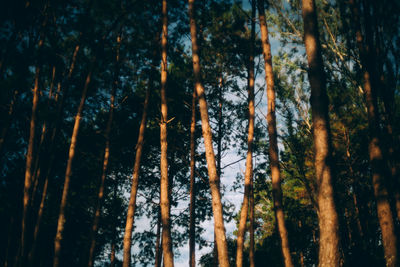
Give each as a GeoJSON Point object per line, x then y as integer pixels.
{"type": "Point", "coordinates": [273, 140]}
{"type": "Point", "coordinates": [164, 183]}
{"type": "Point", "coordinates": [130, 217]}
{"type": "Point", "coordinates": [100, 195]}
{"type": "Point", "coordinates": [192, 220]}
{"type": "Point", "coordinates": [219, 227]}
{"type": "Point", "coordinates": [249, 159]}
{"type": "Point", "coordinates": [68, 171]}
{"type": "Point", "coordinates": [327, 215]}
{"type": "Point", "coordinates": [376, 157]}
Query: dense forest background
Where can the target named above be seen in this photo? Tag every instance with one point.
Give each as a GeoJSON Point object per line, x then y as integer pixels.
{"type": "Point", "coordinates": [120, 122]}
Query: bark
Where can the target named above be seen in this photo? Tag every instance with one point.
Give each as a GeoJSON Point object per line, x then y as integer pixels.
{"type": "Point", "coordinates": [130, 218]}
{"type": "Point", "coordinates": [327, 215]}
{"type": "Point", "coordinates": [273, 140]}
{"type": "Point", "coordinates": [106, 156]}
{"type": "Point", "coordinates": [192, 219]}
{"type": "Point", "coordinates": [375, 149]}
{"type": "Point", "coordinates": [68, 171]}
{"type": "Point", "coordinates": [219, 228]}
{"type": "Point", "coordinates": [168, 255]}
{"type": "Point", "coordinates": [249, 157]}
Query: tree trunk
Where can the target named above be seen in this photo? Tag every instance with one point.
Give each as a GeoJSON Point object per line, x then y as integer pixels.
{"type": "Point", "coordinates": [249, 159]}
{"type": "Point", "coordinates": [29, 160]}
{"type": "Point", "coordinates": [376, 157]}
{"type": "Point", "coordinates": [164, 183]}
{"type": "Point", "coordinates": [219, 228]}
{"type": "Point", "coordinates": [68, 171]}
{"type": "Point", "coordinates": [327, 215]}
{"type": "Point", "coordinates": [105, 158]}
{"type": "Point", "coordinates": [7, 123]}
{"type": "Point", "coordinates": [192, 220]}
{"type": "Point", "coordinates": [130, 217]}
{"type": "Point", "coordinates": [273, 140]}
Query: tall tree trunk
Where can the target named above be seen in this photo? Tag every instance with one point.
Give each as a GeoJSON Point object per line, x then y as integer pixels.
{"type": "Point", "coordinates": [29, 161]}
{"type": "Point", "coordinates": [68, 171]}
{"type": "Point", "coordinates": [273, 140]}
{"type": "Point", "coordinates": [106, 156]}
{"type": "Point", "coordinates": [376, 157]}
{"type": "Point", "coordinates": [192, 219]}
{"type": "Point", "coordinates": [219, 227]}
{"type": "Point", "coordinates": [130, 217]}
{"type": "Point", "coordinates": [164, 183]}
{"type": "Point", "coordinates": [327, 215]}
{"type": "Point", "coordinates": [249, 159]}
{"type": "Point", "coordinates": [251, 197]}
{"type": "Point", "coordinates": [60, 102]}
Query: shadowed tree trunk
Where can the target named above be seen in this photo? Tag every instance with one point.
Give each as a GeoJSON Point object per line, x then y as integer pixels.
{"type": "Point", "coordinates": [219, 227]}
{"type": "Point", "coordinates": [376, 157]}
{"type": "Point", "coordinates": [68, 172]}
{"type": "Point", "coordinates": [105, 158]}
{"type": "Point", "coordinates": [158, 253]}
{"type": "Point", "coordinates": [7, 123]}
{"type": "Point", "coordinates": [327, 215]}
{"type": "Point", "coordinates": [192, 220]}
{"type": "Point", "coordinates": [249, 159]}
{"type": "Point", "coordinates": [165, 204]}
{"type": "Point", "coordinates": [273, 140]}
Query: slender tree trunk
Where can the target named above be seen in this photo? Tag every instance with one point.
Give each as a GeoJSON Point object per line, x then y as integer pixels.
{"type": "Point", "coordinates": [29, 160]}
{"type": "Point", "coordinates": [164, 183]}
{"type": "Point", "coordinates": [192, 220]}
{"type": "Point", "coordinates": [60, 102]}
{"type": "Point", "coordinates": [112, 256]}
{"type": "Point", "coordinates": [157, 262]}
{"type": "Point", "coordinates": [249, 159]}
{"type": "Point", "coordinates": [115, 222]}
{"type": "Point", "coordinates": [130, 218]}
{"type": "Point", "coordinates": [327, 215]}
{"type": "Point", "coordinates": [68, 172]}
{"type": "Point", "coordinates": [219, 227]}
{"type": "Point", "coordinates": [376, 157]}
{"type": "Point", "coordinates": [106, 156]}
{"type": "Point", "coordinates": [273, 140]}
{"type": "Point", "coordinates": [251, 197]}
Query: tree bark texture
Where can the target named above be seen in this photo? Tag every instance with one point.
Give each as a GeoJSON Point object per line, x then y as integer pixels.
{"type": "Point", "coordinates": [327, 215]}
{"type": "Point", "coordinates": [164, 183]}
{"type": "Point", "coordinates": [273, 140]}
{"type": "Point", "coordinates": [219, 227]}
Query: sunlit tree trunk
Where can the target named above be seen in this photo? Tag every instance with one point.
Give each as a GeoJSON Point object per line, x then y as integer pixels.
{"type": "Point", "coordinates": [130, 217]}
{"type": "Point", "coordinates": [29, 161]}
{"type": "Point", "coordinates": [51, 152]}
{"type": "Point", "coordinates": [168, 256]}
{"type": "Point", "coordinates": [105, 157]}
{"type": "Point", "coordinates": [376, 157]}
{"type": "Point", "coordinates": [219, 227]}
{"type": "Point", "coordinates": [273, 140]}
{"type": "Point", "coordinates": [192, 219]}
{"type": "Point", "coordinates": [249, 159]}
{"type": "Point", "coordinates": [327, 215]}
{"type": "Point", "coordinates": [68, 171]}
